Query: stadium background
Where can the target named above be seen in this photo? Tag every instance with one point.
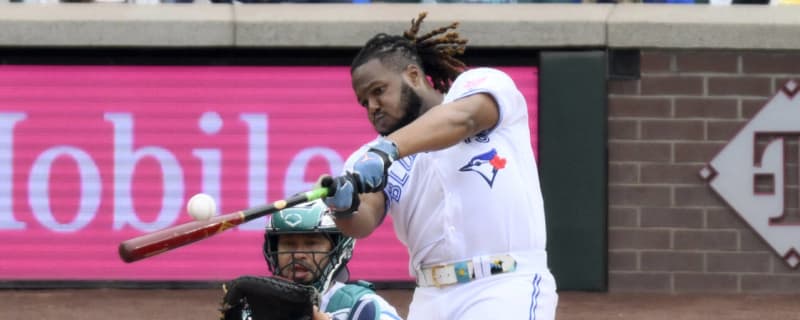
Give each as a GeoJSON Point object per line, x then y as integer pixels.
{"type": "Point", "coordinates": [662, 89]}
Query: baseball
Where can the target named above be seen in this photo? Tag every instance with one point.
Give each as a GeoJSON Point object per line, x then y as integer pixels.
{"type": "Point", "coordinates": [201, 207]}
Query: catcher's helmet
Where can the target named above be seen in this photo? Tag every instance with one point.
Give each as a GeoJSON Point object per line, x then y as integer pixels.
{"type": "Point", "coordinates": [310, 218]}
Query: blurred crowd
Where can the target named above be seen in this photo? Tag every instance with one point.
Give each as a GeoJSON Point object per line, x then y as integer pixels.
{"type": "Point", "coordinates": [712, 2]}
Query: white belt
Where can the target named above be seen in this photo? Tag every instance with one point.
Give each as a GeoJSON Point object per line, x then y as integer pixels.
{"type": "Point", "coordinates": [465, 271]}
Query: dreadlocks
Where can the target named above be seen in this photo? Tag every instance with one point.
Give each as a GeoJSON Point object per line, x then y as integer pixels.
{"type": "Point", "coordinates": [434, 52]}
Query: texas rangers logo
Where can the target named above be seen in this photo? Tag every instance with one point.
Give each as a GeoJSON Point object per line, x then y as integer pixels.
{"type": "Point", "coordinates": [486, 165]}
{"type": "Point", "coordinates": [756, 173]}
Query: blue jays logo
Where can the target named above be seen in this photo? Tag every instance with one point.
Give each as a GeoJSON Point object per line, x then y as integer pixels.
{"type": "Point", "coordinates": [486, 165]}
{"type": "Point", "coordinates": [482, 137]}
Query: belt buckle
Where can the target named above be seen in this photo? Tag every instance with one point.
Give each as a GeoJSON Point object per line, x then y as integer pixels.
{"type": "Point", "coordinates": [433, 274]}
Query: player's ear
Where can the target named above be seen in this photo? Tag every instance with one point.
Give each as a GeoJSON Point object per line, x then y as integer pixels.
{"type": "Point", "coordinates": [414, 75]}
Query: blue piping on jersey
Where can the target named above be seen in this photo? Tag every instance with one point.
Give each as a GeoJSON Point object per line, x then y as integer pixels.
{"type": "Point", "coordinates": [535, 296]}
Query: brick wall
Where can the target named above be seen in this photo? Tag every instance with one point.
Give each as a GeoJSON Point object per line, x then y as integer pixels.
{"type": "Point", "coordinates": [668, 231]}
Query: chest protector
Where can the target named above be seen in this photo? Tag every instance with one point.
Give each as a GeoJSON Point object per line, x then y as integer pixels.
{"type": "Point", "coordinates": [347, 296]}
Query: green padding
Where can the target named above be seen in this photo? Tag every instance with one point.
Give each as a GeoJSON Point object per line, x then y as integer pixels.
{"type": "Point", "coordinates": [572, 159]}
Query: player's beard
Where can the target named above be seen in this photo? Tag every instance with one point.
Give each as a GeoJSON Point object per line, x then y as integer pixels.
{"type": "Point", "coordinates": [411, 101]}
{"type": "Point", "coordinates": [310, 272]}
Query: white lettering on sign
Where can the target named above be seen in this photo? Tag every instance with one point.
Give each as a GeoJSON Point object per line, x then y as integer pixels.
{"type": "Point", "coordinates": [257, 146]}
{"type": "Point", "coordinates": [210, 159]}
{"type": "Point", "coordinates": [126, 156]}
{"type": "Point", "coordinates": [39, 189]}
{"type": "Point", "coordinates": [757, 173]}
{"type": "Point", "coordinates": [7, 123]}
{"type": "Point", "coordinates": [125, 160]}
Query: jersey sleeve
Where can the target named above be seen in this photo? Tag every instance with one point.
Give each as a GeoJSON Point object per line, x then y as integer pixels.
{"type": "Point", "coordinates": [510, 101]}
{"type": "Point", "coordinates": [372, 307]}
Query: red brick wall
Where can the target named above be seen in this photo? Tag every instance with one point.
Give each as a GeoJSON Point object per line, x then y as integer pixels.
{"type": "Point", "coordinates": [668, 231]}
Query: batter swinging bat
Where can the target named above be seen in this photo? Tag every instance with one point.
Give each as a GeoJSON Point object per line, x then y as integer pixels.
{"type": "Point", "coordinates": [160, 241]}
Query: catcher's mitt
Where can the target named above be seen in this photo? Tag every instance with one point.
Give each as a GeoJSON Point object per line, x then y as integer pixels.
{"type": "Point", "coordinates": [267, 298]}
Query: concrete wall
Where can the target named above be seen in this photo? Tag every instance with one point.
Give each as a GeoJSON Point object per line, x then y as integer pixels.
{"type": "Point", "coordinates": [345, 25]}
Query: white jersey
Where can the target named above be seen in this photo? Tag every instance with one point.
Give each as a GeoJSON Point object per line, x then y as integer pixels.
{"type": "Point", "coordinates": [478, 197]}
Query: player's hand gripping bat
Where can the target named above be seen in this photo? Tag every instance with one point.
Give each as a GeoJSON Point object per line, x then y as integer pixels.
{"type": "Point", "coordinates": [167, 239]}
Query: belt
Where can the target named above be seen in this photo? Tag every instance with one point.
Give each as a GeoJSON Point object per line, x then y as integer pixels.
{"type": "Point", "coordinates": [465, 271]}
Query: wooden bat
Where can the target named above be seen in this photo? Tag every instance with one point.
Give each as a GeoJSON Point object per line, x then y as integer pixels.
{"type": "Point", "coordinates": [164, 240]}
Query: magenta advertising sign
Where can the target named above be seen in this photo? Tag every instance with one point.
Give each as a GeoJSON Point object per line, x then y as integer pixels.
{"type": "Point", "coordinates": [94, 155]}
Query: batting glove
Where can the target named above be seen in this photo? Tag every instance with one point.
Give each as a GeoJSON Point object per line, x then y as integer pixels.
{"type": "Point", "coordinates": [342, 196]}
{"type": "Point", "coordinates": [372, 168]}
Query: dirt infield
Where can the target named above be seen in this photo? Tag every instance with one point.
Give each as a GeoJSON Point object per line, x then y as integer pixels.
{"type": "Point", "coordinates": [195, 304]}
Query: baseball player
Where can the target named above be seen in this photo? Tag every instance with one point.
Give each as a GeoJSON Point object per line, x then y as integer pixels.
{"type": "Point", "coordinates": [457, 173]}
{"type": "Point", "coordinates": [303, 245]}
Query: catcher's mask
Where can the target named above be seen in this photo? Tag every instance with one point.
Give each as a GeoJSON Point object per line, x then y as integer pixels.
{"type": "Point", "coordinates": [310, 218]}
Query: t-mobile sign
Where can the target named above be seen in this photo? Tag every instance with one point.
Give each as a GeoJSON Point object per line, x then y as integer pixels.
{"type": "Point", "coordinates": [94, 155]}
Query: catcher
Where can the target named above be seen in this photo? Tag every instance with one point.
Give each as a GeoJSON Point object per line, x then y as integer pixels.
{"type": "Point", "coordinates": [308, 257]}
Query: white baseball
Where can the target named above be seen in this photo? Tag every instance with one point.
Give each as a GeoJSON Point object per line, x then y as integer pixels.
{"type": "Point", "coordinates": [201, 207]}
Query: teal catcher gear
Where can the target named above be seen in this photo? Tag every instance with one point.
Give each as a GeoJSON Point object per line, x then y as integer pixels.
{"type": "Point", "coordinates": [310, 218]}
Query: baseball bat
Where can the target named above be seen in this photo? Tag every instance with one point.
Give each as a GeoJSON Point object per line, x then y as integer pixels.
{"type": "Point", "coordinates": [164, 240]}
